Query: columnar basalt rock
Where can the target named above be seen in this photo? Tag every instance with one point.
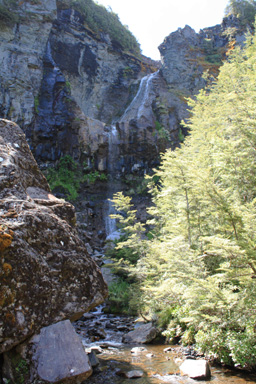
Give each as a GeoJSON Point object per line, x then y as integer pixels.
{"type": "Point", "coordinates": [46, 273]}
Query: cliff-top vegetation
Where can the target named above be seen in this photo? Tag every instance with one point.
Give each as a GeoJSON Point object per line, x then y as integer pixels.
{"type": "Point", "coordinates": [245, 10]}
{"type": "Point", "coordinates": [102, 21]}
{"type": "Point", "coordinates": [96, 18]}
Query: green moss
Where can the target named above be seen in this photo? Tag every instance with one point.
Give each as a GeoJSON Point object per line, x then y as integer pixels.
{"type": "Point", "coordinates": [36, 103]}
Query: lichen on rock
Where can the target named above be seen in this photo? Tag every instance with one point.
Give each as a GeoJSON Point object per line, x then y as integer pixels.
{"type": "Point", "coordinates": [46, 273]}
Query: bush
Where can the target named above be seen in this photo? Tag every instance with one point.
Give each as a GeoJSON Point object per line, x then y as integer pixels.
{"type": "Point", "coordinates": [119, 293]}
{"type": "Point", "coordinates": [68, 176]}
{"type": "Point", "coordinates": [245, 10]}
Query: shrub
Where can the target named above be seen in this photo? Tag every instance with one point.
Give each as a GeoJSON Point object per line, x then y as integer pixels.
{"type": "Point", "coordinates": [68, 176]}
{"type": "Point", "coordinates": [119, 294]}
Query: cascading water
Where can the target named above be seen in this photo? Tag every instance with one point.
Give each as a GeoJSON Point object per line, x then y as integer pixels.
{"type": "Point", "coordinates": [114, 185]}
{"type": "Point", "coordinates": [142, 98]}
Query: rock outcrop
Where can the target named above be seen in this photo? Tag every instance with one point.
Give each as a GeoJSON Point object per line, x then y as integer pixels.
{"type": "Point", "coordinates": [59, 355]}
{"type": "Point", "coordinates": [46, 274]}
{"type": "Point", "coordinates": [55, 355]}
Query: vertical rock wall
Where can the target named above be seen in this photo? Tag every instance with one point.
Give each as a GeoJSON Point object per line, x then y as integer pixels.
{"type": "Point", "coordinates": [22, 47]}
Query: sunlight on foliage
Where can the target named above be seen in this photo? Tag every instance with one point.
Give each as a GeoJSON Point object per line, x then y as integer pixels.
{"type": "Point", "coordinates": [196, 269]}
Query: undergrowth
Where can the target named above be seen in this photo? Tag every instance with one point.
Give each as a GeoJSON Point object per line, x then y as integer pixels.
{"type": "Point", "coordinates": [67, 177]}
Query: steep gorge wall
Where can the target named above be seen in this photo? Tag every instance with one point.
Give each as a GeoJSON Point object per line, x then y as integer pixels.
{"type": "Point", "coordinates": [58, 79]}
{"type": "Point", "coordinates": [66, 87]}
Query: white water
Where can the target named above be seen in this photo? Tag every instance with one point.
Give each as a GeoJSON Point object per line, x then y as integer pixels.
{"type": "Point", "coordinates": [113, 155]}
{"type": "Point", "coordinates": [110, 223]}
{"type": "Point", "coordinates": [142, 97]}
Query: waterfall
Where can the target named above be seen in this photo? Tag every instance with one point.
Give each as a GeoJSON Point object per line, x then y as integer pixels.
{"type": "Point", "coordinates": [142, 97]}
{"type": "Point", "coordinates": [113, 151]}
{"type": "Point", "coordinates": [113, 185]}
{"type": "Point", "coordinates": [141, 103]}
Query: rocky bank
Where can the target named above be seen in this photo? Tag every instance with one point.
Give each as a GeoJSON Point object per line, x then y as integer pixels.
{"type": "Point", "coordinates": [46, 273]}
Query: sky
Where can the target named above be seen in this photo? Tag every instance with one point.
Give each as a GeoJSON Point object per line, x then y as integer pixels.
{"type": "Point", "coordinates": [151, 21]}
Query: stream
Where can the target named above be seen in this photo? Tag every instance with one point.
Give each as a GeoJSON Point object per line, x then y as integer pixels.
{"type": "Point", "coordinates": [103, 333]}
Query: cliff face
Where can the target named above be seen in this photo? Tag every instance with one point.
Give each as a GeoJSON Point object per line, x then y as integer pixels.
{"type": "Point", "coordinates": [70, 89]}
{"type": "Point", "coordinates": [57, 78]}
{"type": "Point", "coordinates": [23, 42]}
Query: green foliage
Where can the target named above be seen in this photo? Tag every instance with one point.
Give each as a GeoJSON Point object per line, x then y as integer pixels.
{"type": "Point", "coordinates": [36, 103]}
{"type": "Point", "coordinates": [7, 16]}
{"type": "Point", "coordinates": [137, 185]}
{"type": "Point", "coordinates": [122, 253]}
{"type": "Point", "coordinates": [163, 133]}
{"type": "Point", "coordinates": [68, 176]}
{"type": "Point", "coordinates": [100, 20]}
{"type": "Point", "coordinates": [181, 136]}
{"type": "Point", "coordinates": [245, 10]}
{"type": "Point", "coordinates": [21, 371]}
{"type": "Point", "coordinates": [213, 55]}
{"type": "Point", "coordinates": [119, 294]}
{"type": "Point", "coordinates": [196, 271]}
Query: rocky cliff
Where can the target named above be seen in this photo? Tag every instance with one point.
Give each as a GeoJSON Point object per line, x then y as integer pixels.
{"type": "Point", "coordinates": [58, 79]}
{"type": "Point", "coordinates": [67, 86]}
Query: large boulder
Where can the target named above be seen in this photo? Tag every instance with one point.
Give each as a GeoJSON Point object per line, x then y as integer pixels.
{"type": "Point", "coordinates": [59, 355]}
{"type": "Point", "coordinates": [196, 369]}
{"type": "Point", "coordinates": [142, 335]}
{"type": "Point", "coordinates": [45, 271]}
{"type": "Point", "coordinates": [56, 356]}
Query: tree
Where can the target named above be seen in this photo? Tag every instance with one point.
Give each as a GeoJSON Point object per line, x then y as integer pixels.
{"type": "Point", "coordinates": [197, 270]}
{"type": "Point", "coordinates": [243, 9]}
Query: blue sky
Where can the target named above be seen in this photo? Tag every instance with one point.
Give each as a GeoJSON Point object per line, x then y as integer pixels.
{"type": "Point", "coordinates": [151, 21]}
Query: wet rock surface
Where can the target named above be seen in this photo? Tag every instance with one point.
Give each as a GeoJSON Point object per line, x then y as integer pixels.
{"type": "Point", "coordinates": [102, 328]}
{"type": "Point", "coordinates": [46, 273]}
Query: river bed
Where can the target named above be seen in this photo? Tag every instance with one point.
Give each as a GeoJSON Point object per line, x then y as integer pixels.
{"type": "Point", "coordinates": [102, 331]}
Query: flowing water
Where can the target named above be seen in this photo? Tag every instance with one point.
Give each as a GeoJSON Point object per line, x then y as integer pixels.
{"type": "Point", "coordinates": [156, 365]}
{"type": "Point", "coordinates": [142, 98]}
{"type": "Point", "coordinates": [113, 185]}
